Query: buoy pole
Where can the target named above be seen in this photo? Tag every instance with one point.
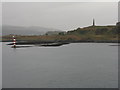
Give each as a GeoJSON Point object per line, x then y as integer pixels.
{"type": "Point", "coordinates": [14, 42]}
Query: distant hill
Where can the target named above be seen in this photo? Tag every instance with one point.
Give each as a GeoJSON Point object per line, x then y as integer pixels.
{"type": "Point", "coordinates": [96, 30]}
{"type": "Point", "coordinates": [87, 34]}
{"type": "Point", "coordinates": [18, 30]}
{"type": "Point", "coordinates": [96, 33]}
{"type": "Point", "coordinates": [54, 32]}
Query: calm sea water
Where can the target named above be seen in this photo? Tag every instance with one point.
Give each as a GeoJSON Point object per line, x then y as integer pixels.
{"type": "Point", "coordinates": [78, 65]}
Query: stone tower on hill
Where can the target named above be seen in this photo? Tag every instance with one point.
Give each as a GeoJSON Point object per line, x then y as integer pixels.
{"type": "Point", "coordinates": [93, 22]}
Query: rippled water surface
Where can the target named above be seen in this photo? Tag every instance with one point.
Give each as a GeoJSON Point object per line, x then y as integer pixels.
{"type": "Point", "coordinates": [78, 65]}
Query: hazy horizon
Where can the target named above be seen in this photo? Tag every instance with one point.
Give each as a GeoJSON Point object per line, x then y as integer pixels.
{"type": "Point", "coordinates": [59, 15]}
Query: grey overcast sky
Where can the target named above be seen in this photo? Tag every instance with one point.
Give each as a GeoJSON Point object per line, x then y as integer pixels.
{"type": "Point", "coordinates": [59, 15]}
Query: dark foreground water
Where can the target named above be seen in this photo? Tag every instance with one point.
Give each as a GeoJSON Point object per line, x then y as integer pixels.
{"type": "Point", "coordinates": [80, 65]}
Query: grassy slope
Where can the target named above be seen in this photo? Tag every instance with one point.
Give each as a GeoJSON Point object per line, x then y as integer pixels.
{"type": "Point", "coordinates": [96, 33]}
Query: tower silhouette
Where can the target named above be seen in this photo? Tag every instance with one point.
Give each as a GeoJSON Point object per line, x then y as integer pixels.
{"type": "Point", "coordinates": [93, 22]}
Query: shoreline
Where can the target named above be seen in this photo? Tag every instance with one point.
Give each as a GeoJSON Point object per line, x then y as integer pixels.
{"type": "Point", "coordinates": [55, 43]}
{"type": "Point", "coordinates": [59, 42]}
{"type": "Point", "coordinates": [72, 41]}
